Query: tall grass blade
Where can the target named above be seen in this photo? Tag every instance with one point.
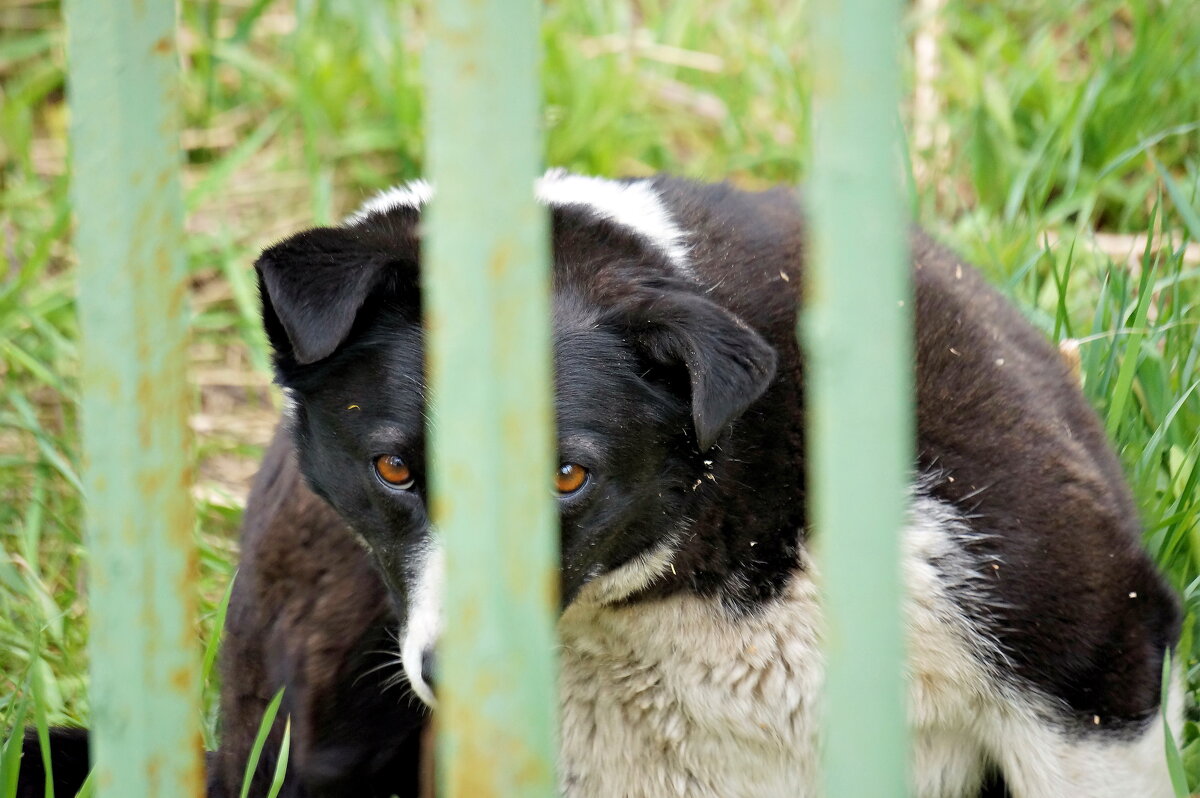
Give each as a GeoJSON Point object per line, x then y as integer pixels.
{"type": "Point", "coordinates": [1129, 360]}
{"type": "Point", "coordinates": [1186, 210]}
{"type": "Point", "coordinates": [264, 731]}
{"type": "Point", "coordinates": [10, 757]}
{"type": "Point", "coordinates": [1174, 760]}
{"type": "Point", "coordinates": [281, 764]}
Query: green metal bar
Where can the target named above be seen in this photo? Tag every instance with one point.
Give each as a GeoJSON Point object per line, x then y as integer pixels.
{"type": "Point", "coordinates": [857, 330]}
{"type": "Point", "coordinates": [145, 663]}
{"type": "Point", "coordinates": [487, 315]}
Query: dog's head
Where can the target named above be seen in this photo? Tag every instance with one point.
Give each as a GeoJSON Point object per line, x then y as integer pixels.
{"type": "Point", "coordinates": [649, 375]}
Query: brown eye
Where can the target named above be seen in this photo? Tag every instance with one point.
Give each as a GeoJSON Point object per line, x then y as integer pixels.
{"type": "Point", "coordinates": [393, 471]}
{"type": "Point", "coordinates": [570, 478]}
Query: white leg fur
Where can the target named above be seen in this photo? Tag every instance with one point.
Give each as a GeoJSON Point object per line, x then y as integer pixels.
{"type": "Point", "coordinates": [1039, 762]}
{"type": "Point", "coordinates": [963, 716]}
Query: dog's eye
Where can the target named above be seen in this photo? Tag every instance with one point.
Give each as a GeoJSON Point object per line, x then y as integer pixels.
{"type": "Point", "coordinates": [394, 471]}
{"type": "Point", "coordinates": [570, 478]}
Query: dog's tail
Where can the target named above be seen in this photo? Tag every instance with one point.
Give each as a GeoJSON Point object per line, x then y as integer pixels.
{"type": "Point", "coordinates": [69, 764]}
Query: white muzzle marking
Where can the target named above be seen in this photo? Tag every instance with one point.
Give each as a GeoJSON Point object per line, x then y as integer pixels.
{"type": "Point", "coordinates": [424, 621]}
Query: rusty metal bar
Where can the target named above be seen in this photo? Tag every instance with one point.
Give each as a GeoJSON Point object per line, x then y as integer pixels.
{"type": "Point", "coordinates": [487, 314]}
{"type": "Point", "coordinates": [857, 331]}
{"type": "Point", "coordinates": [124, 100]}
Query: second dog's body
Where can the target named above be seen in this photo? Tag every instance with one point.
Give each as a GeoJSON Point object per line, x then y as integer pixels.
{"type": "Point", "coordinates": [690, 662]}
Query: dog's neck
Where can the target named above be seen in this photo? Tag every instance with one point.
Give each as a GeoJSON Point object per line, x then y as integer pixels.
{"type": "Point", "coordinates": [675, 697]}
{"type": "Point", "coordinates": [747, 514]}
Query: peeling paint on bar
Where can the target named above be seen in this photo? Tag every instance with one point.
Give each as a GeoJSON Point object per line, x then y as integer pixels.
{"type": "Point", "coordinates": [486, 286]}
{"type": "Point", "coordinates": [145, 665]}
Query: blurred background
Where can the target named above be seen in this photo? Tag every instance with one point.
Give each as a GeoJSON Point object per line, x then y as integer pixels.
{"type": "Point", "coordinates": [1056, 144]}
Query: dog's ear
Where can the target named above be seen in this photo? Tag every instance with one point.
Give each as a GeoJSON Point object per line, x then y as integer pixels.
{"type": "Point", "coordinates": [314, 284]}
{"type": "Point", "coordinates": [729, 365]}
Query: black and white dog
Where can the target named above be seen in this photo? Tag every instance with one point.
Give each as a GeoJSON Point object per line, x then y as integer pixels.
{"type": "Point", "coordinates": [690, 635]}
{"type": "Point", "coordinates": [690, 660]}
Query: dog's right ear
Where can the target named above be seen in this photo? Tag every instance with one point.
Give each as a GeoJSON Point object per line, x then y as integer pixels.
{"type": "Point", "coordinates": [314, 284]}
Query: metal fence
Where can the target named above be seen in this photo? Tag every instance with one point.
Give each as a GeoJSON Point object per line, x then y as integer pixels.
{"type": "Point", "coordinates": [145, 672]}
{"type": "Point", "coordinates": [487, 292]}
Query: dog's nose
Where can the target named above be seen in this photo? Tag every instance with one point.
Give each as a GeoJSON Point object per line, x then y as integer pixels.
{"type": "Point", "coordinates": [428, 660]}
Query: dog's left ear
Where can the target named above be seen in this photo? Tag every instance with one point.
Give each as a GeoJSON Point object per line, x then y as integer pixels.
{"type": "Point", "coordinates": [729, 365]}
{"type": "Point", "coordinates": [314, 284]}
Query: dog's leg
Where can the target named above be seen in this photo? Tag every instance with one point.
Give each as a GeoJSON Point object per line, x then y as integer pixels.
{"type": "Point", "coordinates": [1040, 761]}
{"type": "Point", "coordinates": [948, 683]}
{"type": "Point", "coordinates": [947, 764]}
{"type": "Point", "coordinates": [968, 716]}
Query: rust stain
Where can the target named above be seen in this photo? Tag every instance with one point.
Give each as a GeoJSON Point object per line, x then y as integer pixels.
{"type": "Point", "coordinates": [491, 761]}
{"type": "Point", "coordinates": [439, 509]}
{"type": "Point", "coordinates": [162, 184]}
{"type": "Point", "coordinates": [501, 262]}
{"type": "Point", "coordinates": [181, 678]}
{"type": "Point", "coordinates": [189, 610]}
{"type": "Point", "coordinates": [512, 429]}
{"type": "Point", "coordinates": [551, 586]}
{"type": "Point", "coordinates": [150, 483]}
{"type": "Point", "coordinates": [163, 45]}
{"type": "Point", "coordinates": [149, 610]}
{"type": "Point", "coordinates": [153, 773]}
{"type": "Point", "coordinates": [145, 386]}
{"type": "Point", "coordinates": [468, 618]}
{"type": "Point", "coordinates": [195, 778]}
{"type": "Point", "coordinates": [432, 323]}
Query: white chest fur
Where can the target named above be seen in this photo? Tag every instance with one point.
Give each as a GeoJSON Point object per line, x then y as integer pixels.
{"type": "Point", "coordinates": [678, 697]}
{"type": "Point", "coordinates": [675, 698]}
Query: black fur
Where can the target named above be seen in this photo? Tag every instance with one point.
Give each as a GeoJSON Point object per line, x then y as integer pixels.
{"type": "Point", "coordinates": [68, 763]}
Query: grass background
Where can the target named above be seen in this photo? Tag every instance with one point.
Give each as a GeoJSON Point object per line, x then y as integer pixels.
{"type": "Point", "coordinates": [1056, 144]}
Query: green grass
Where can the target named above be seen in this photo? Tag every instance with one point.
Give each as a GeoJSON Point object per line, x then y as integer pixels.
{"type": "Point", "coordinates": [1062, 133]}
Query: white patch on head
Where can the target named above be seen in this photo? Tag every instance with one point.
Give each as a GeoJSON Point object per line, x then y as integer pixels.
{"type": "Point", "coordinates": [635, 206]}
{"type": "Point", "coordinates": [424, 623]}
{"type": "Point", "coordinates": [414, 194]}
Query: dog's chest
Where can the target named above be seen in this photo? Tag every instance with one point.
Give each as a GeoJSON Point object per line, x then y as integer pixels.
{"type": "Point", "coordinates": [678, 697]}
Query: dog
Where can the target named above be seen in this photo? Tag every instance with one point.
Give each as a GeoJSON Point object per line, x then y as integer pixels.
{"type": "Point", "coordinates": [691, 619]}
{"type": "Point", "coordinates": [690, 632]}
